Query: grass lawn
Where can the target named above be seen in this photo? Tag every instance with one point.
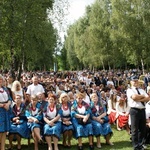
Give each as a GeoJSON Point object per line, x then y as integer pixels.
{"type": "Point", "coordinates": [120, 139]}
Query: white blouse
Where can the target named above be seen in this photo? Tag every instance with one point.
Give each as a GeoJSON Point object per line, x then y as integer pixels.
{"type": "Point", "coordinates": [3, 96]}
{"type": "Point", "coordinates": [66, 112]}
{"type": "Point", "coordinates": [81, 110]}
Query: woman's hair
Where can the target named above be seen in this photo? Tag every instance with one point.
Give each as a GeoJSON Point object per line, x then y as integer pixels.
{"type": "Point", "coordinates": [1, 77]}
{"type": "Point", "coordinates": [123, 100]}
{"type": "Point", "coordinates": [92, 95]}
{"type": "Point", "coordinates": [33, 97]}
{"type": "Point", "coordinates": [18, 96]}
{"type": "Point", "coordinates": [113, 98]}
{"type": "Point", "coordinates": [79, 94]}
{"type": "Point", "coordinates": [62, 95]}
{"type": "Point", "coordinates": [15, 84]}
{"type": "Point", "coordinates": [70, 94]}
{"type": "Point", "coordinates": [52, 95]}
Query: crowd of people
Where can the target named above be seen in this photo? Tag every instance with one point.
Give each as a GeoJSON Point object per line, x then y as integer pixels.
{"type": "Point", "coordinates": [75, 104]}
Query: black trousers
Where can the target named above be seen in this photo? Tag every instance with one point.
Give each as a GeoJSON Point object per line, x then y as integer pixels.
{"type": "Point", "coordinates": [138, 127]}
{"type": "Point", "coordinates": [147, 136]}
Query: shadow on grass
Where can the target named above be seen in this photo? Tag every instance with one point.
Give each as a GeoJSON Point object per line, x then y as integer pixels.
{"type": "Point", "coordinates": [124, 145]}
{"type": "Point", "coordinates": [120, 145]}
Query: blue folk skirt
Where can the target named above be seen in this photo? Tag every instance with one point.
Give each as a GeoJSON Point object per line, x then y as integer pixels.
{"type": "Point", "coordinates": [101, 129]}
{"type": "Point", "coordinates": [53, 130]}
{"type": "Point", "coordinates": [67, 127]}
{"type": "Point", "coordinates": [82, 130]}
{"type": "Point", "coordinates": [4, 120]}
{"type": "Point", "coordinates": [22, 129]}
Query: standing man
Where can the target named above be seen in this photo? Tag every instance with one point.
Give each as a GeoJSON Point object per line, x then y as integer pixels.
{"type": "Point", "coordinates": [35, 87]}
{"type": "Point", "coordinates": [136, 99]}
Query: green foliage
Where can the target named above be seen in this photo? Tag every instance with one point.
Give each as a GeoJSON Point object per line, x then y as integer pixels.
{"type": "Point", "coordinates": [62, 59]}
{"type": "Point", "coordinates": [112, 33]}
{"type": "Point", "coordinates": [26, 34]}
{"type": "Point", "coordinates": [71, 55]}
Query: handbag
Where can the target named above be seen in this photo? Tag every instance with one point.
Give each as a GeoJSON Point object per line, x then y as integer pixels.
{"type": "Point", "coordinates": [105, 119]}
{"type": "Point", "coordinates": [80, 121]}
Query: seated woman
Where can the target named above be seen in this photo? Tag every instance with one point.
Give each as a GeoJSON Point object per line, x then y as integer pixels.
{"type": "Point", "coordinates": [100, 121]}
{"type": "Point", "coordinates": [35, 115]}
{"type": "Point", "coordinates": [80, 112]}
{"type": "Point", "coordinates": [19, 126]}
{"type": "Point", "coordinates": [67, 127]}
{"type": "Point", "coordinates": [52, 117]}
{"type": "Point", "coordinates": [122, 110]}
{"type": "Point", "coordinates": [112, 114]}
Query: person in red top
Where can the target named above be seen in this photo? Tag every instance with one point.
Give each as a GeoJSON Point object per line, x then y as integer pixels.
{"type": "Point", "coordinates": [123, 109]}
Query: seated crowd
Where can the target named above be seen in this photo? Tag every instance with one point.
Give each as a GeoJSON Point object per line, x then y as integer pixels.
{"type": "Point", "coordinates": [51, 108]}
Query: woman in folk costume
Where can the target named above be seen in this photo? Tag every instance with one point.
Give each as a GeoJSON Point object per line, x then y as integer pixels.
{"type": "Point", "coordinates": [19, 127]}
{"type": "Point", "coordinates": [112, 114]}
{"type": "Point", "coordinates": [52, 118]}
{"type": "Point", "coordinates": [122, 109]}
{"type": "Point", "coordinates": [34, 114]}
{"type": "Point", "coordinates": [100, 121]}
{"type": "Point", "coordinates": [81, 112]}
{"type": "Point", "coordinates": [67, 127]}
{"type": "Point", "coordinates": [5, 102]}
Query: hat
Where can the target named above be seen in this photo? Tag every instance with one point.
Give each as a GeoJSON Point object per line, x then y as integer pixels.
{"type": "Point", "coordinates": [134, 78]}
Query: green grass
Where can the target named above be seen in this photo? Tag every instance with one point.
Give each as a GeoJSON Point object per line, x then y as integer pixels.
{"type": "Point", "coordinates": [120, 139]}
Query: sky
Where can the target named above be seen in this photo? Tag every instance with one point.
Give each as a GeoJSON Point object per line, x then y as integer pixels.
{"type": "Point", "coordinates": [77, 9]}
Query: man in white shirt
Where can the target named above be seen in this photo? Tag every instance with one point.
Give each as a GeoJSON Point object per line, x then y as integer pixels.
{"type": "Point", "coordinates": [110, 82]}
{"type": "Point", "coordinates": [35, 87]}
{"type": "Point", "coordinates": [147, 110]}
{"type": "Point", "coordinates": [136, 100]}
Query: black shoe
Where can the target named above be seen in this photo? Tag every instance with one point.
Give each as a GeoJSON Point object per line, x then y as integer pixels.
{"type": "Point", "coordinates": [65, 146]}
{"type": "Point", "coordinates": [91, 147]}
{"type": "Point", "coordinates": [140, 148]}
{"type": "Point", "coordinates": [41, 142]}
{"type": "Point", "coordinates": [80, 147]}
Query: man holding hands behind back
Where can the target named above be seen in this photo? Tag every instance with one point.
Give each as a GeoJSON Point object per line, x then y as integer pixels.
{"type": "Point", "coordinates": [136, 99]}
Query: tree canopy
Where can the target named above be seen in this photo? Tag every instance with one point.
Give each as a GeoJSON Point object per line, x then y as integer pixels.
{"type": "Point", "coordinates": [28, 38]}
{"type": "Point", "coordinates": [111, 34]}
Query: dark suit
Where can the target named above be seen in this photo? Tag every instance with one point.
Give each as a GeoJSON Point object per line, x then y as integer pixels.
{"type": "Point", "coordinates": [97, 81]}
